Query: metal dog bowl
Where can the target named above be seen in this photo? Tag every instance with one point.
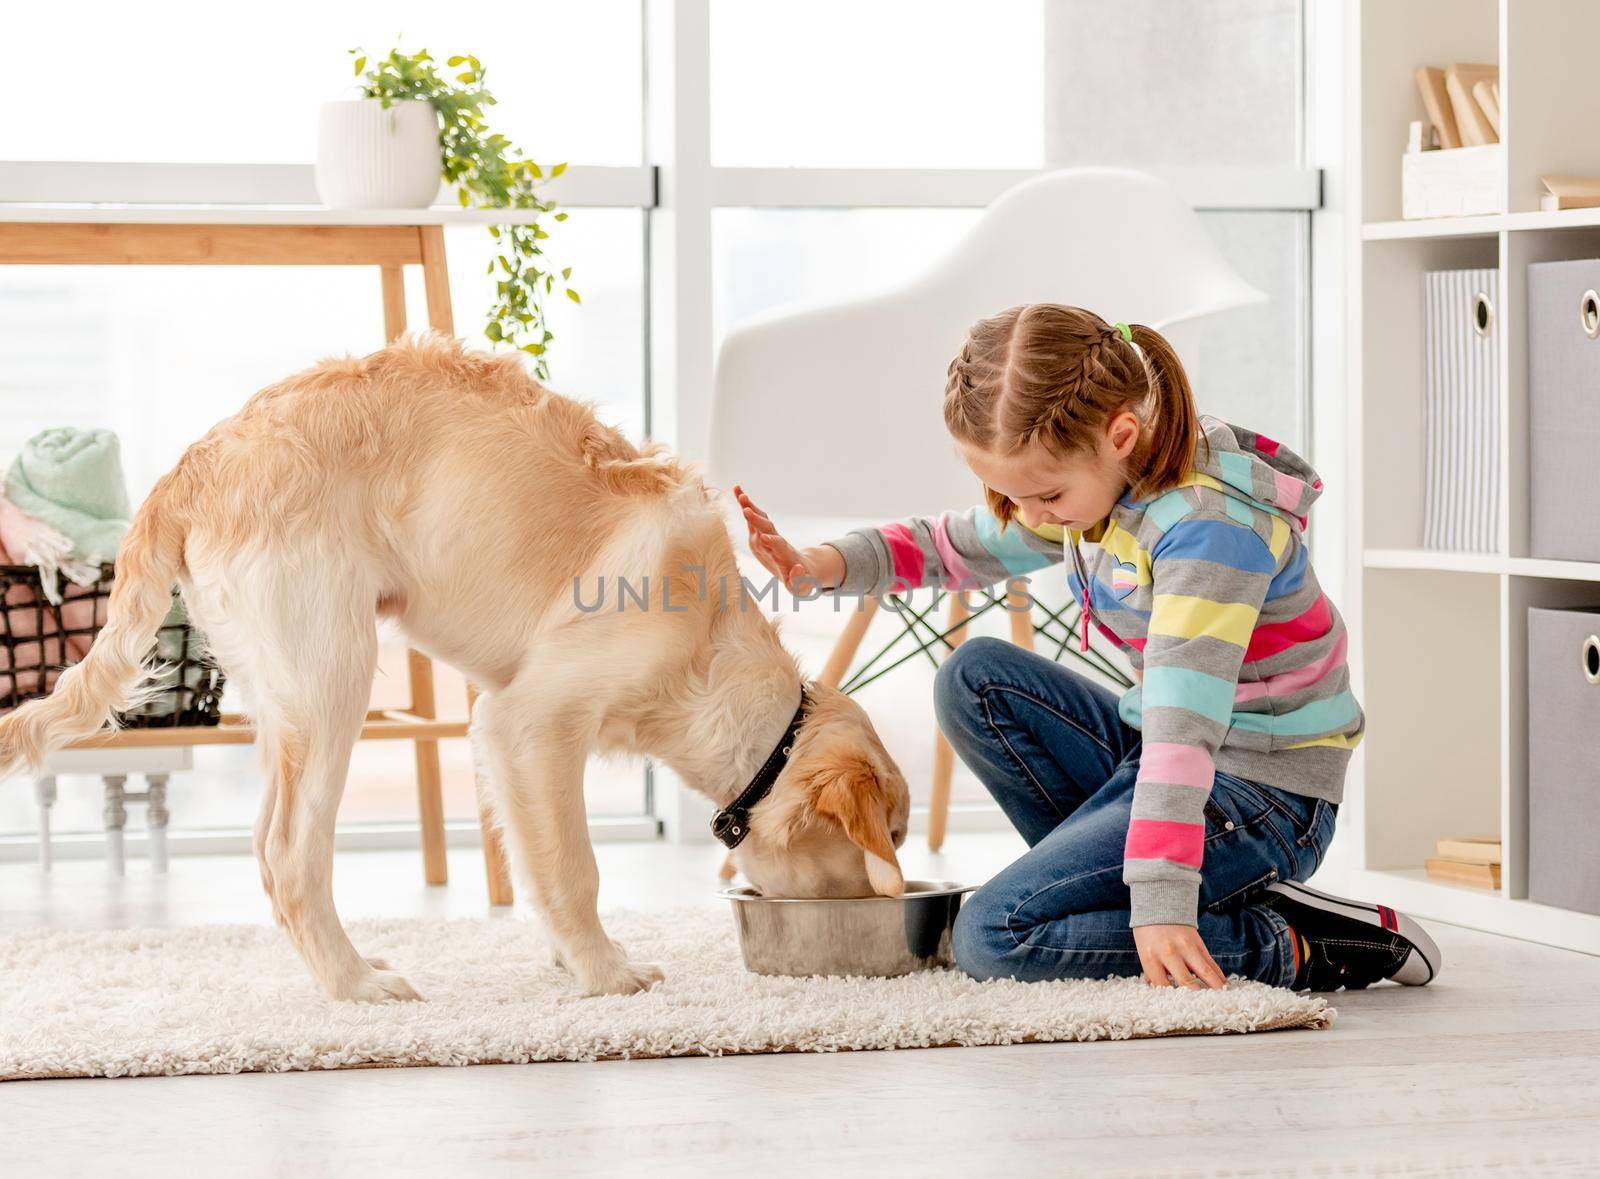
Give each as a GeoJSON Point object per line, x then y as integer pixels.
{"type": "Point", "coordinates": [876, 936]}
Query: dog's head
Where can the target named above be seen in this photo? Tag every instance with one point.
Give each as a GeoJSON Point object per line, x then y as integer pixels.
{"type": "Point", "coordinates": [831, 824]}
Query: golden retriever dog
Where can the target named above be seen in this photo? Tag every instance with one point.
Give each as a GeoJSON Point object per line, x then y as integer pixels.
{"type": "Point", "coordinates": [446, 489]}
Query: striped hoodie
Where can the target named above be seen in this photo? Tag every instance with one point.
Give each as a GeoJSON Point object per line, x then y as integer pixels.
{"type": "Point", "coordinates": [1208, 590]}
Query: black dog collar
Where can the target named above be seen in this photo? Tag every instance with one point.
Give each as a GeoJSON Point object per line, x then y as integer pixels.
{"type": "Point", "coordinates": [732, 823]}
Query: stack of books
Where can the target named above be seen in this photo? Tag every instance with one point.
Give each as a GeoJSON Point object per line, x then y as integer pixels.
{"type": "Point", "coordinates": [1471, 861]}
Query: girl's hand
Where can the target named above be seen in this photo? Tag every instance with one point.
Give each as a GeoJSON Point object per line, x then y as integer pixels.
{"type": "Point", "coordinates": [1175, 955]}
{"type": "Point", "coordinates": [800, 571]}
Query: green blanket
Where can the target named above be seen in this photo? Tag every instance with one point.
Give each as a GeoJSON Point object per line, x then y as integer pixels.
{"type": "Point", "coordinates": [72, 480]}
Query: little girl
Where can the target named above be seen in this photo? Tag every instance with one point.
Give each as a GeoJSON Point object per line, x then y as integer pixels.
{"type": "Point", "coordinates": [1165, 828]}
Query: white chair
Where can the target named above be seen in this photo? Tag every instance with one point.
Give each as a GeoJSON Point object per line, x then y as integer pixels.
{"type": "Point", "coordinates": [862, 382]}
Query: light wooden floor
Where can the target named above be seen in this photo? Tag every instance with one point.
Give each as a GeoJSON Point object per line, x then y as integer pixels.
{"type": "Point", "coordinates": [1494, 1068]}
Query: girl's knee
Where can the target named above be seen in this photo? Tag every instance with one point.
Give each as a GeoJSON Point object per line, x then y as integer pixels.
{"type": "Point", "coordinates": [959, 683]}
{"type": "Point", "coordinates": [989, 941]}
{"type": "Point", "coordinates": [979, 940]}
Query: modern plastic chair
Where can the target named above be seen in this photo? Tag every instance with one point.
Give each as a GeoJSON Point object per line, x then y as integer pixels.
{"type": "Point", "coordinates": [861, 382]}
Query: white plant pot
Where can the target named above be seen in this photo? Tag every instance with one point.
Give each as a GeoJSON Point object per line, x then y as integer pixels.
{"type": "Point", "coordinates": [372, 158]}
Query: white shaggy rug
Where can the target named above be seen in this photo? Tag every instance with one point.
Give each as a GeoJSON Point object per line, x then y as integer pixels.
{"type": "Point", "coordinates": [235, 998]}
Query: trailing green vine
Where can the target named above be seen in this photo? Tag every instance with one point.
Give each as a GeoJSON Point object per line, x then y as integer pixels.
{"type": "Point", "coordinates": [488, 172]}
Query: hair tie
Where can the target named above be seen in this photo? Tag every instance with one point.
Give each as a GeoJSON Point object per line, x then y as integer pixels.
{"type": "Point", "coordinates": [1127, 332]}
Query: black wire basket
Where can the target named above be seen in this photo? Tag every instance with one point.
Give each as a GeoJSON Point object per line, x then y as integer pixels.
{"type": "Point", "coordinates": [39, 640]}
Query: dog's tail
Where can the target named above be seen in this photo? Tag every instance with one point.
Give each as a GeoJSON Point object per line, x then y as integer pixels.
{"type": "Point", "coordinates": [110, 676]}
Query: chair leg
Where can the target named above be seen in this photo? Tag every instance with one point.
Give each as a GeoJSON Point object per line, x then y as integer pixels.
{"type": "Point", "coordinates": [943, 755]}
{"type": "Point", "coordinates": [430, 790]}
{"type": "Point", "coordinates": [44, 791]}
{"type": "Point", "coordinates": [156, 817]}
{"type": "Point", "coordinates": [849, 641]}
{"type": "Point", "coordinates": [1019, 608]}
{"type": "Point", "coordinates": [116, 817]}
{"type": "Point", "coordinates": [496, 870]}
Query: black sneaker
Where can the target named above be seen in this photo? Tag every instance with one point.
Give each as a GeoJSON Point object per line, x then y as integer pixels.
{"type": "Point", "coordinates": [1350, 943]}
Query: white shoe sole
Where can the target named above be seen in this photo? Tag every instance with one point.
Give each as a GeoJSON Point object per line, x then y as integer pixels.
{"type": "Point", "coordinates": [1421, 965]}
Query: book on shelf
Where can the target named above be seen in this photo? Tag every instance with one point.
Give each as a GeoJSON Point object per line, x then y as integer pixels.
{"type": "Point", "coordinates": [1485, 876]}
{"type": "Point", "coordinates": [1472, 122]}
{"type": "Point", "coordinates": [1569, 192]}
{"type": "Point", "coordinates": [1471, 849]}
{"type": "Point", "coordinates": [1436, 102]}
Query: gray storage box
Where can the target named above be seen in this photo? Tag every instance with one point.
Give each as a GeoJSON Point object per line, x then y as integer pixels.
{"type": "Point", "coordinates": [1564, 758]}
{"type": "Point", "coordinates": [1564, 409]}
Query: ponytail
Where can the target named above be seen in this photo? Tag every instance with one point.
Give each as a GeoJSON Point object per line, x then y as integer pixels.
{"type": "Point", "coordinates": [1174, 430]}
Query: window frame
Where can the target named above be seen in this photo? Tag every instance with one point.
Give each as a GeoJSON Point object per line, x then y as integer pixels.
{"type": "Point", "coordinates": [678, 188]}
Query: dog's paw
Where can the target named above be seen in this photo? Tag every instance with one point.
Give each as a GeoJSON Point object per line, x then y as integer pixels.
{"type": "Point", "coordinates": [549, 955]}
{"type": "Point", "coordinates": [379, 986]}
{"type": "Point", "coordinates": [378, 963]}
{"type": "Point", "coordinates": [619, 976]}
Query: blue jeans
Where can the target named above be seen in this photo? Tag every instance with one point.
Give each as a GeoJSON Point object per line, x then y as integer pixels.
{"type": "Point", "coordinates": [1049, 746]}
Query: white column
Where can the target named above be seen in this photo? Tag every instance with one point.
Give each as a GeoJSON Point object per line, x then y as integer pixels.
{"type": "Point", "coordinates": [1330, 101]}
{"type": "Point", "coordinates": [1333, 105]}
{"type": "Point", "coordinates": [678, 142]}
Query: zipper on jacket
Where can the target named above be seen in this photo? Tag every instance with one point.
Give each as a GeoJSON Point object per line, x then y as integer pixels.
{"type": "Point", "coordinates": [1083, 582]}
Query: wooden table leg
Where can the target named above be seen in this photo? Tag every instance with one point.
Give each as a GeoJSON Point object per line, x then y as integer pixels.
{"type": "Point", "coordinates": [419, 668]}
{"type": "Point", "coordinates": [394, 303]}
{"type": "Point", "coordinates": [436, 280]}
{"type": "Point", "coordinates": [430, 786]}
{"type": "Point", "coordinates": [436, 285]}
{"type": "Point", "coordinates": [495, 867]}
{"type": "Point", "coordinates": [943, 755]}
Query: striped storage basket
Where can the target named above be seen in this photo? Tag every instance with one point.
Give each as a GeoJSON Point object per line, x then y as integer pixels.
{"type": "Point", "coordinates": [1461, 419]}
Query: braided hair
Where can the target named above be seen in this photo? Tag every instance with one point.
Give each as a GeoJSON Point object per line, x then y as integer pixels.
{"type": "Point", "coordinates": [1056, 375]}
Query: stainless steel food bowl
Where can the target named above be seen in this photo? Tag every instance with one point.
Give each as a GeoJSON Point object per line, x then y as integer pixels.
{"type": "Point", "coordinates": [877, 936]}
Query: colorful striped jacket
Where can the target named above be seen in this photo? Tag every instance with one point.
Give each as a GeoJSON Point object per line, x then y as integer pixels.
{"type": "Point", "coordinates": [1208, 589]}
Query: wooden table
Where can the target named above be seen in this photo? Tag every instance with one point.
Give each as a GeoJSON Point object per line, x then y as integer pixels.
{"type": "Point", "coordinates": [233, 235]}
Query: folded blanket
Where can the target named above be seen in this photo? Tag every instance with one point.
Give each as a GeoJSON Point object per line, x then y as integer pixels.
{"type": "Point", "coordinates": [26, 541]}
{"type": "Point", "coordinates": [72, 481]}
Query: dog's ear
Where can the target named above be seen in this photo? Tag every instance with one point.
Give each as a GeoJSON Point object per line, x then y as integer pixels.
{"type": "Point", "coordinates": [852, 796]}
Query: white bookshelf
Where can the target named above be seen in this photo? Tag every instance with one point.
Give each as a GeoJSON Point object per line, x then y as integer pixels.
{"type": "Point", "coordinates": [1440, 638]}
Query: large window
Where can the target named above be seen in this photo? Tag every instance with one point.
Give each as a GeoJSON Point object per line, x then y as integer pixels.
{"type": "Point", "coordinates": [160, 353]}
{"type": "Point", "coordinates": [816, 111]}
{"type": "Point", "coordinates": [1144, 83]}
{"type": "Point", "coordinates": [195, 81]}
{"type": "Point", "coordinates": [885, 84]}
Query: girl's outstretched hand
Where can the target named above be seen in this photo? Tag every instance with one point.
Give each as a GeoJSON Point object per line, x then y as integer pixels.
{"type": "Point", "coordinates": [800, 571]}
{"type": "Point", "coordinates": [1175, 955]}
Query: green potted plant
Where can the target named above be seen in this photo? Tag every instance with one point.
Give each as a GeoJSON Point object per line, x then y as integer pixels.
{"type": "Point", "coordinates": [412, 125]}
